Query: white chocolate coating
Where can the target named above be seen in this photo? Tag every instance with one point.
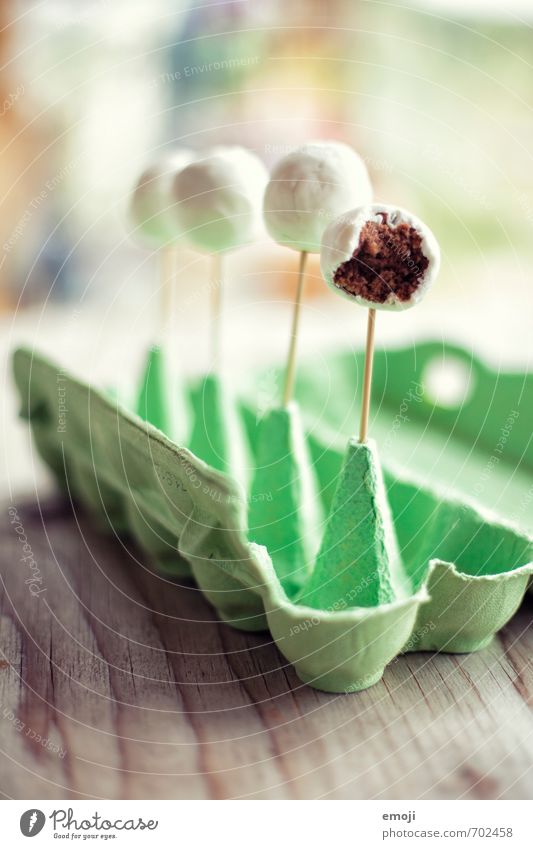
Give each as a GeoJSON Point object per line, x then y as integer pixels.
{"type": "Point", "coordinates": [342, 237]}
{"type": "Point", "coordinates": [151, 202]}
{"type": "Point", "coordinates": [310, 187]}
{"type": "Point", "coordinates": [218, 199]}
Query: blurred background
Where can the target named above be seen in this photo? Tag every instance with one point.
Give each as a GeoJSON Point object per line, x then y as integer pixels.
{"type": "Point", "coordinates": [434, 95]}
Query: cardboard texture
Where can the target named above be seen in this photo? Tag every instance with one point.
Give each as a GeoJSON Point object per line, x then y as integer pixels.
{"type": "Point", "coordinates": [401, 566]}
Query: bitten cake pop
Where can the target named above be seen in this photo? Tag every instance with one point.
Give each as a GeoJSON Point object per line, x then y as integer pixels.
{"type": "Point", "coordinates": [308, 188]}
{"type": "Point", "coordinates": [218, 208]}
{"type": "Point", "coordinates": [381, 257]}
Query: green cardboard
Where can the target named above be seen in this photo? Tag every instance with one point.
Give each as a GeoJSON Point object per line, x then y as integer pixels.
{"type": "Point", "coordinates": [359, 560]}
{"type": "Point", "coordinates": [461, 572]}
{"type": "Point", "coordinates": [217, 435]}
{"type": "Point", "coordinates": [155, 403]}
{"type": "Point", "coordinates": [284, 511]}
{"type": "Point", "coordinates": [479, 446]}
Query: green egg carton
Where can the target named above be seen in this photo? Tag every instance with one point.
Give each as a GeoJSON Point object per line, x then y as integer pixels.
{"type": "Point", "coordinates": [294, 526]}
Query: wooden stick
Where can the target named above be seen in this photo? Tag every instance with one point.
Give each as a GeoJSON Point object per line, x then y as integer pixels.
{"type": "Point", "coordinates": [167, 273]}
{"type": "Point", "coordinates": [291, 359]}
{"type": "Point", "coordinates": [367, 379]}
{"type": "Point", "coordinates": [216, 310]}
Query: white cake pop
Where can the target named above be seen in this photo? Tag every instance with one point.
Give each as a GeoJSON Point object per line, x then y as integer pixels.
{"type": "Point", "coordinates": [309, 187]}
{"type": "Point", "coordinates": [218, 199]}
{"type": "Point", "coordinates": [151, 202]}
{"type": "Point", "coordinates": [380, 256]}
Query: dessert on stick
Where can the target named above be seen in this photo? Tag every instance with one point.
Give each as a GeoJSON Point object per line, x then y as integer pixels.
{"type": "Point", "coordinates": [158, 399]}
{"type": "Point", "coordinates": [218, 207]}
{"type": "Point", "coordinates": [155, 224]}
{"type": "Point", "coordinates": [218, 201]}
{"type": "Point", "coordinates": [383, 258]}
{"type": "Point", "coordinates": [307, 188]}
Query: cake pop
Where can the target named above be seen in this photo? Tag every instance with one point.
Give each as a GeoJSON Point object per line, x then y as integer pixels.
{"type": "Point", "coordinates": [151, 202]}
{"type": "Point", "coordinates": [384, 258]}
{"type": "Point", "coordinates": [308, 188]}
{"type": "Point", "coordinates": [150, 211]}
{"type": "Point", "coordinates": [218, 208]}
{"type": "Point", "coordinates": [155, 224]}
{"type": "Point", "coordinates": [381, 257]}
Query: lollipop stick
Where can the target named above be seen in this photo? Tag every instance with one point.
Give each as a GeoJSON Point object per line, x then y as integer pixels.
{"type": "Point", "coordinates": [367, 379]}
{"type": "Point", "coordinates": [167, 271]}
{"type": "Point", "coordinates": [216, 309]}
{"type": "Point", "coordinates": [291, 359]}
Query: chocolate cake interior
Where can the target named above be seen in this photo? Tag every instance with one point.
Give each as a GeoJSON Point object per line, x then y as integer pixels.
{"type": "Point", "coordinates": [387, 260]}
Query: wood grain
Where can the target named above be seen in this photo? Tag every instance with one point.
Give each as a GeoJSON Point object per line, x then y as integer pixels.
{"type": "Point", "coordinates": [141, 693]}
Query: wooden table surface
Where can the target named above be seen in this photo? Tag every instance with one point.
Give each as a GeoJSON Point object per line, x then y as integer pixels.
{"type": "Point", "coordinates": [116, 683]}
